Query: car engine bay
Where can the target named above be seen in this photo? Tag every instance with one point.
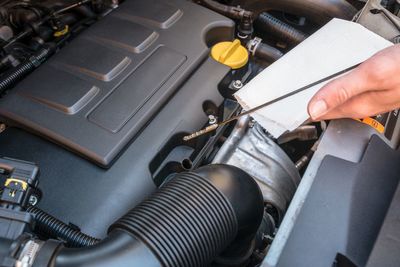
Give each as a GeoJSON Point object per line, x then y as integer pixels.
{"type": "Point", "coordinates": [96, 97]}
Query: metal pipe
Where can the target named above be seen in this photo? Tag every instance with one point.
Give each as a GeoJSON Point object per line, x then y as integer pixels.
{"type": "Point", "coordinates": [231, 143]}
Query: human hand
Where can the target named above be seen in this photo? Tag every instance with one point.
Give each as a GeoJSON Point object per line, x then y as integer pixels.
{"type": "Point", "coordinates": [370, 89]}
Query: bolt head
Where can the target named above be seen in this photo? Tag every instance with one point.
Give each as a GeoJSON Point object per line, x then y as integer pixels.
{"type": "Point", "coordinates": [33, 200]}
{"type": "Point", "coordinates": [237, 84]}
{"type": "Point", "coordinates": [212, 119]}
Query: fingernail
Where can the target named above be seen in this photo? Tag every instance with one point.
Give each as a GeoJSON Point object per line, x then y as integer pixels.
{"type": "Point", "coordinates": [318, 109]}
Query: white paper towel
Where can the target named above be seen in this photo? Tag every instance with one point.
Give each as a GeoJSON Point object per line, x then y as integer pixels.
{"type": "Point", "coordinates": [338, 45]}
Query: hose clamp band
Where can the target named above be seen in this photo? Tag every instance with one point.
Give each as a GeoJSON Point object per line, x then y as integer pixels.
{"type": "Point", "coordinates": [28, 253]}
{"type": "Point", "coordinates": [253, 44]}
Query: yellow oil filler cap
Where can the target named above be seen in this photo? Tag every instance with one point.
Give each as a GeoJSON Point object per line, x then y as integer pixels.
{"type": "Point", "coordinates": [232, 54]}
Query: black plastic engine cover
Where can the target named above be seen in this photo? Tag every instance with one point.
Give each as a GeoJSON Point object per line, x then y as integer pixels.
{"type": "Point", "coordinates": [99, 91]}
{"type": "Point", "coordinates": [77, 191]}
{"type": "Point", "coordinates": [344, 210]}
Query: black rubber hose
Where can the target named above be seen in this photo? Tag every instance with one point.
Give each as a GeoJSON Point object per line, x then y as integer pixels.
{"type": "Point", "coordinates": [51, 227]}
{"type": "Point", "coordinates": [318, 11]}
{"type": "Point", "coordinates": [85, 11]}
{"type": "Point", "coordinates": [279, 29]}
{"type": "Point", "coordinates": [267, 52]}
{"type": "Point", "coordinates": [197, 215]}
{"type": "Point", "coordinates": [16, 74]}
{"type": "Point", "coordinates": [188, 222]}
{"type": "Point", "coordinates": [119, 249]}
{"type": "Point", "coordinates": [232, 12]}
{"type": "Point", "coordinates": [192, 222]}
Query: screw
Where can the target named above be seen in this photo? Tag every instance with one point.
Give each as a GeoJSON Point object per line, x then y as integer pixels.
{"type": "Point", "coordinates": [267, 238]}
{"type": "Point", "coordinates": [212, 119]}
{"type": "Point", "coordinates": [237, 84]}
{"type": "Point", "coordinates": [251, 123]}
{"type": "Point", "coordinates": [33, 200]}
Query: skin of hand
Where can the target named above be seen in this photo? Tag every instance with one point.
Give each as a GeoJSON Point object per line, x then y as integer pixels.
{"type": "Point", "coordinates": [370, 89]}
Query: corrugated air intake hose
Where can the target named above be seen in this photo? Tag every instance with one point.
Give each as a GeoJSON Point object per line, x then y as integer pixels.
{"type": "Point", "coordinates": [189, 221]}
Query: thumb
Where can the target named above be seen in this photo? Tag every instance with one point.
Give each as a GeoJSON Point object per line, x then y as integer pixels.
{"type": "Point", "coordinates": [336, 93]}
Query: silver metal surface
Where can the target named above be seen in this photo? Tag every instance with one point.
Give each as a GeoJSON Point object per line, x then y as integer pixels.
{"type": "Point", "coordinates": [28, 253]}
{"type": "Point", "coordinates": [250, 149]}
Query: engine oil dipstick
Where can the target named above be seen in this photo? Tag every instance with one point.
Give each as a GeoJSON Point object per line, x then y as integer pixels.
{"type": "Point", "coordinates": [208, 129]}
{"type": "Point", "coordinates": [213, 127]}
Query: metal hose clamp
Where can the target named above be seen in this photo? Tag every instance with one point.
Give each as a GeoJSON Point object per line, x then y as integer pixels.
{"type": "Point", "coordinates": [253, 44]}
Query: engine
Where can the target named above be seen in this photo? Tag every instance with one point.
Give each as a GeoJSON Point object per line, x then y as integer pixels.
{"type": "Point", "coordinates": [96, 98]}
